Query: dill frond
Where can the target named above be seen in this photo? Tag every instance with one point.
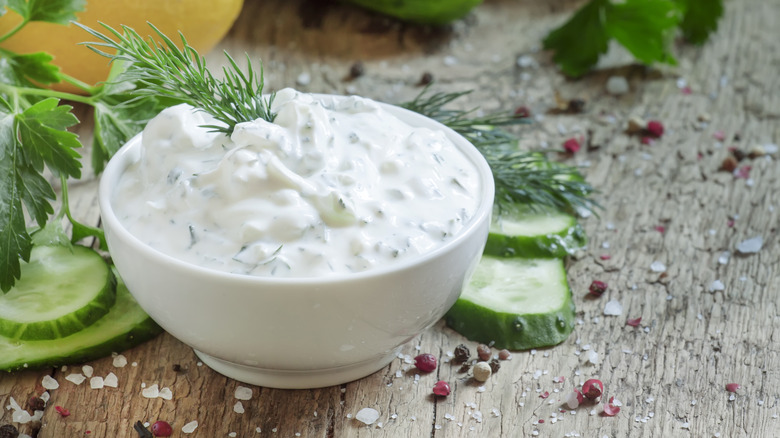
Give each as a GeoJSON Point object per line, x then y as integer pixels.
{"type": "Point", "coordinates": [163, 69]}
{"type": "Point", "coordinates": [521, 177]}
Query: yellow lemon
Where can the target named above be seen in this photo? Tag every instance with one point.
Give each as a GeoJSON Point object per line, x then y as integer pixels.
{"type": "Point", "coordinates": [203, 22]}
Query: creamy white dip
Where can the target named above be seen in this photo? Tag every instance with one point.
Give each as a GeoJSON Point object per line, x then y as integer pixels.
{"type": "Point", "coordinates": [333, 185]}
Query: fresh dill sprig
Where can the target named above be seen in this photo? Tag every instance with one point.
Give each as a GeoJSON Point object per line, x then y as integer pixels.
{"type": "Point", "coordinates": [481, 130]}
{"type": "Point", "coordinates": [163, 69]}
{"type": "Point", "coordinates": [521, 177]}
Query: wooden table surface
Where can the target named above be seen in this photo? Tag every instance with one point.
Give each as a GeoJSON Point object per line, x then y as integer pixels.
{"type": "Point", "coordinates": [666, 202]}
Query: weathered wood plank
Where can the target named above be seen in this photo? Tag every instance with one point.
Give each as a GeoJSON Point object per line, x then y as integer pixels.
{"type": "Point", "coordinates": [670, 373]}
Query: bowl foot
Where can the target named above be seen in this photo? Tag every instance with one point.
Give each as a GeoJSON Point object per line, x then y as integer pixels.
{"type": "Point", "coordinates": [296, 379]}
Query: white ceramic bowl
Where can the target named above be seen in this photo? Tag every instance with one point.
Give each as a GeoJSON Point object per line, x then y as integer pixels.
{"type": "Point", "coordinates": [297, 332]}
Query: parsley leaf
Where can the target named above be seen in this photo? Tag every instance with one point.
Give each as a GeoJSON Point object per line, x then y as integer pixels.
{"type": "Point", "coordinates": [580, 42]}
{"type": "Point", "coordinates": [43, 133]}
{"type": "Point", "coordinates": [35, 67]}
{"type": "Point", "coordinates": [644, 27]}
{"type": "Point", "coordinates": [51, 11]}
{"type": "Point", "coordinates": [700, 19]}
{"type": "Point", "coordinates": [15, 242]}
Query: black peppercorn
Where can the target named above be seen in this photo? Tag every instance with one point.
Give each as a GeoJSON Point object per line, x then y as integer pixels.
{"type": "Point", "coordinates": [8, 431]}
{"type": "Point", "coordinates": [462, 353]}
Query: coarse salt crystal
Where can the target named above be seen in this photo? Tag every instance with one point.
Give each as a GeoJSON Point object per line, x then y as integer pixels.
{"type": "Point", "coordinates": [120, 361]}
{"type": "Point", "coordinates": [238, 408]}
{"type": "Point", "coordinates": [21, 416]}
{"type": "Point", "coordinates": [87, 370]}
{"type": "Point", "coordinates": [190, 427]}
{"type": "Point", "coordinates": [717, 285]}
{"type": "Point", "coordinates": [96, 382]}
{"type": "Point", "coordinates": [48, 382]}
{"type": "Point", "coordinates": [76, 378]}
{"type": "Point", "coordinates": [613, 308]}
{"type": "Point", "coordinates": [303, 79]}
{"type": "Point", "coordinates": [750, 246]}
{"type": "Point", "coordinates": [151, 392]}
{"type": "Point", "coordinates": [232, 434]}
{"type": "Point", "coordinates": [111, 380]}
{"type": "Point", "coordinates": [166, 393]}
{"type": "Point", "coordinates": [657, 266]}
{"type": "Point", "coordinates": [243, 393]}
{"type": "Point", "coordinates": [724, 258]}
{"type": "Point", "coordinates": [367, 415]}
{"type": "Point", "coordinates": [593, 357]}
{"type": "Point", "coordinates": [617, 85]}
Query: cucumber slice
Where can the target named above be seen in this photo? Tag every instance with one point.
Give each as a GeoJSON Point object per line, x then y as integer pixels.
{"type": "Point", "coordinates": [519, 232]}
{"type": "Point", "coordinates": [515, 303]}
{"type": "Point", "coordinates": [124, 326]}
{"type": "Point", "coordinates": [62, 290]}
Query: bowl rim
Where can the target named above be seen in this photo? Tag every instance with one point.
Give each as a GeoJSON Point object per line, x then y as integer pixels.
{"type": "Point", "coordinates": [123, 158]}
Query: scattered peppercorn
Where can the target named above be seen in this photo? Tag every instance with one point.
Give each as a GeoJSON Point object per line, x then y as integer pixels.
{"type": "Point", "coordinates": [592, 389]}
{"type": "Point", "coordinates": [176, 368]}
{"type": "Point", "coordinates": [597, 288]}
{"type": "Point", "coordinates": [36, 403]}
{"type": "Point", "coordinates": [739, 154]}
{"type": "Point", "coordinates": [465, 367]}
{"type": "Point", "coordinates": [141, 430]}
{"type": "Point", "coordinates": [482, 371]}
{"type": "Point", "coordinates": [655, 128]}
{"type": "Point", "coordinates": [504, 354]}
{"type": "Point", "coordinates": [462, 353]}
{"type": "Point", "coordinates": [162, 428]}
{"type": "Point", "coordinates": [572, 145]}
{"type": "Point", "coordinates": [441, 388]}
{"type": "Point", "coordinates": [425, 79]}
{"type": "Point", "coordinates": [494, 365]}
{"type": "Point", "coordinates": [575, 106]}
{"type": "Point", "coordinates": [8, 431]}
{"type": "Point", "coordinates": [522, 112]}
{"type": "Point", "coordinates": [357, 70]}
{"type": "Point", "coordinates": [425, 362]}
{"type": "Point", "coordinates": [483, 352]}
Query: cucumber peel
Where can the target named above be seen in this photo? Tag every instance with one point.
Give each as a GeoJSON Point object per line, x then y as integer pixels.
{"type": "Point", "coordinates": [62, 290]}
{"type": "Point", "coordinates": [515, 303]}
{"type": "Point", "coordinates": [533, 234]}
{"type": "Point", "coordinates": [436, 12]}
{"type": "Point", "coordinates": [124, 326]}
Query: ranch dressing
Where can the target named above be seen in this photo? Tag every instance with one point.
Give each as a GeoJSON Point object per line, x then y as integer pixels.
{"type": "Point", "coordinates": [332, 186]}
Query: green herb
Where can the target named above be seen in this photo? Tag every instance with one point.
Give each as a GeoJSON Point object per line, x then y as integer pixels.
{"type": "Point", "coordinates": [181, 74]}
{"type": "Point", "coordinates": [35, 137]}
{"type": "Point", "coordinates": [645, 28]}
{"type": "Point", "coordinates": [524, 177]}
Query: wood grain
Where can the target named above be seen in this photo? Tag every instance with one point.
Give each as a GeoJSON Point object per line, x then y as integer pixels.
{"type": "Point", "coordinates": [670, 373]}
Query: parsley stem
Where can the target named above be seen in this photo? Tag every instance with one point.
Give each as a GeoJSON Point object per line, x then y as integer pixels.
{"type": "Point", "coordinates": [45, 92]}
{"type": "Point", "coordinates": [89, 89]}
{"type": "Point", "coordinates": [13, 31]}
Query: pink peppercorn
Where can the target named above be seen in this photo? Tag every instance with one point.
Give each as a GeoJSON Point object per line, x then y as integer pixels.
{"type": "Point", "coordinates": [592, 389]}
{"type": "Point", "coordinates": [597, 288]}
{"type": "Point", "coordinates": [522, 112]}
{"type": "Point", "coordinates": [572, 145]}
{"type": "Point", "coordinates": [162, 428]}
{"type": "Point", "coordinates": [425, 362]}
{"type": "Point", "coordinates": [441, 388]}
{"type": "Point", "coordinates": [655, 128]}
